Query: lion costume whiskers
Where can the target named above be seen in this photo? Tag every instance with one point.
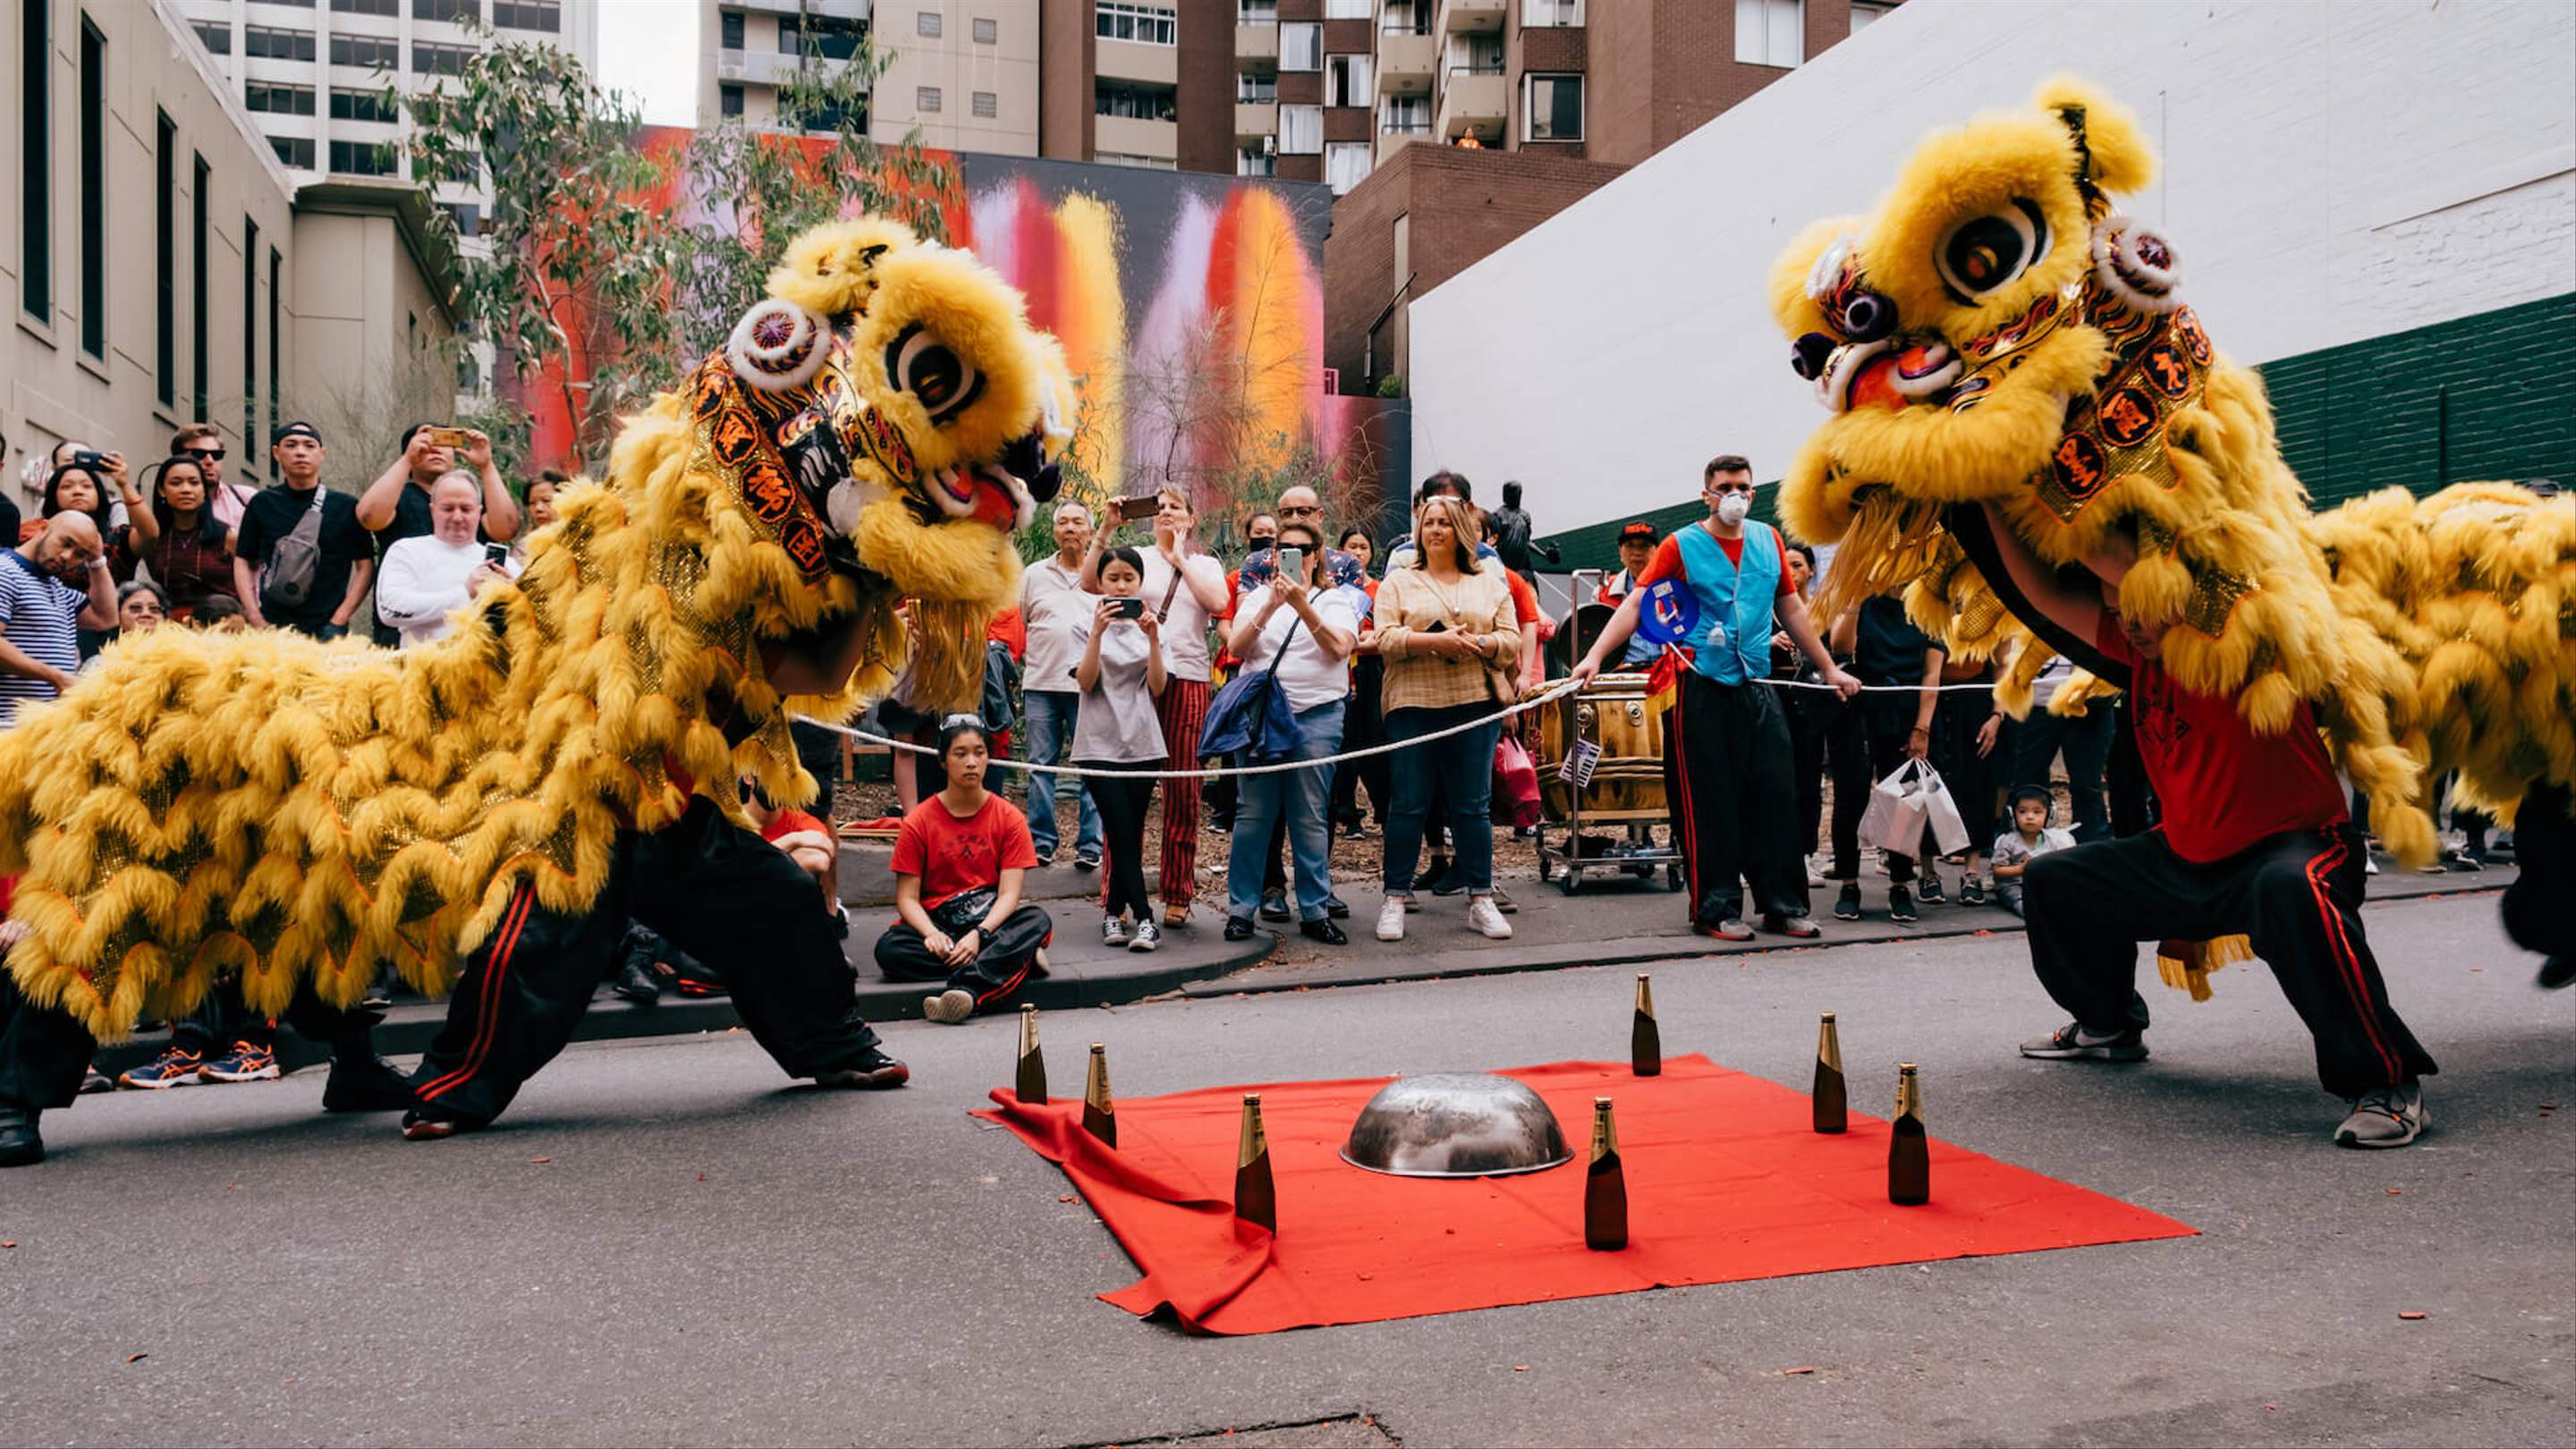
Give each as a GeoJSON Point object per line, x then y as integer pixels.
{"type": "Point", "coordinates": [299, 812]}
{"type": "Point", "coordinates": [1998, 333]}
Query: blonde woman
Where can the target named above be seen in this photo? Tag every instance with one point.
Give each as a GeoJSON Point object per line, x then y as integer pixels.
{"type": "Point", "coordinates": [1449, 638]}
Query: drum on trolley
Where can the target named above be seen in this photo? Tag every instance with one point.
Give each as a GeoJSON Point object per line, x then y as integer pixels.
{"type": "Point", "coordinates": [1626, 784]}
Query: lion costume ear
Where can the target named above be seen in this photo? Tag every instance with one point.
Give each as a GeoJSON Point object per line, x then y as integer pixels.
{"type": "Point", "coordinates": [1793, 300]}
{"type": "Point", "coordinates": [2120, 160]}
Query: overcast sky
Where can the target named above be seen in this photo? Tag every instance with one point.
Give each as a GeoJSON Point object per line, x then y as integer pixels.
{"type": "Point", "coordinates": [649, 50]}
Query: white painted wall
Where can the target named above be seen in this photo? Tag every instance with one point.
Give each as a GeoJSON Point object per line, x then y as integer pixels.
{"type": "Point", "coordinates": [2332, 172]}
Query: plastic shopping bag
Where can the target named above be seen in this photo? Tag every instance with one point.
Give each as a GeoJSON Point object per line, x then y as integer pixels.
{"type": "Point", "coordinates": [1516, 799]}
{"type": "Point", "coordinates": [1895, 818]}
{"type": "Point", "coordinates": [1949, 832]}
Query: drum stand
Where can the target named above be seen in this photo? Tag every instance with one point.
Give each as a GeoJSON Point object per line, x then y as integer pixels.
{"type": "Point", "coordinates": [1579, 719]}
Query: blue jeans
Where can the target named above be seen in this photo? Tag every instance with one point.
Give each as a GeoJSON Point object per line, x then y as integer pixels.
{"type": "Point", "coordinates": [1460, 771]}
{"type": "Point", "coordinates": [1051, 716]}
{"type": "Point", "coordinates": [1299, 795]}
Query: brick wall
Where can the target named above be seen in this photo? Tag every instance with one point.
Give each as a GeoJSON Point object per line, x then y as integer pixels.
{"type": "Point", "coordinates": [1068, 59]}
{"type": "Point", "coordinates": [1206, 87]}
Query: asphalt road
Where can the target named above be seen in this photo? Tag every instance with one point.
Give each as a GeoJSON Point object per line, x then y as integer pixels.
{"type": "Point", "coordinates": [668, 1243]}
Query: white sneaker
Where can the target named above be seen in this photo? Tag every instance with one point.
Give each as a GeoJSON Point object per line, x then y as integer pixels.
{"type": "Point", "coordinates": [1488, 920]}
{"type": "Point", "coordinates": [949, 1007]}
{"type": "Point", "coordinates": [1390, 919]}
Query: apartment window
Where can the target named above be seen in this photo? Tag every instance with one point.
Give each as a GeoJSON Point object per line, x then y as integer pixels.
{"type": "Point", "coordinates": [1552, 108]}
{"type": "Point", "coordinates": [1301, 46]}
{"type": "Point", "coordinates": [1301, 130]}
{"type": "Point", "coordinates": [276, 268]}
{"type": "Point", "coordinates": [1550, 13]}
{"type": "Point", "coordinates": [293, 151]}
{"type": "Point", "coordinates": [93, 181]}
{"type": "Point", "coordinates": [1475, 54]}
{"type": "Point", "coordinates": [1350, 9]}
{"type": "Point", "coordinates": [467, 216]}
{"type": "Point", "coordinates": [1346, 80]}
{"type": "Point", "coordinates": [250, 328]}
{"type": "Point", "coordinates": [1256, 12]}
{"type": "Point", "coordinates": [349, 105]}
{"type": "Point", "coordinates": [463, 170]}
{"type": "Point", "coordinates": [729, 99]}
{"type": "Point", "coordinates": [1124, 20]}
{"type": "Point", "coordinates": [828, 36]}
{"type": "Point", "coordinates": [1346, 164]}
{"type": "Point", "coordinates": [215, 35]}
{"type": "Point", "coordinates": [165, 258]}
{"type": "Point", "coordinates": [1141, 163]}
{"type": "Point", "coordinates": [362, 158]}
{"type": "Point", "coordinates": [1405, 115]}
{"type": "Point", "coordinates": [820, 115]}
{"type": "Point", "coordinates": [1254, 161]}
{"type": "Point", "coordinates": [35, 161]}
{"type": "Point", "coordinates": [1866, 13]}
{"type": "Point", "coordinates": [925, 99]}
{"type": "Point", "coordinates": [988, 105]}
{"type": "Point", "coordinates": [279, 99]}
{"type": "Point", "coordinates": [928, 24]}
{"type": "Point", "coordinates": [374, 51]}
{"type": "Point", "coordinates": [271, 42]}
{"type": "Point", "coordinates": [541, 15]}
{"type": "Point", "coordinates": [451, 11]}
{"type": "Point", "coordinates": [1135, 102]}
{"type": "Point", "coordinates": [988, 31]}
{"type": "Point", "coordinates": [201, 179]}
{"type": "Point", "coordinates": [1770, 32]}
{"type": "Point", "coordinates": [431, 58]}
{"type": "Point", "coordinates": [366, 7]}
{"type": "Point", "coordinates": [1256, 87]}
{"type": "Point", "coordinates": [729, 25]}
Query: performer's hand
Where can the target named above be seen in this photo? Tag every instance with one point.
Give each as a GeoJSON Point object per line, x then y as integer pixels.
{"type": "Point", "coordinates": [1986, 734]}
{"type": "Point", "coordinates": [1844, 682]}
{"type": "Point", "coordinates": [13, 932]}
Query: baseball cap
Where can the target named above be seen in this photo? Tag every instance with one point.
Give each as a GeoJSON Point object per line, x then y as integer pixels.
{"type": "Point", "coordinates": [297, 429]}
{"type": "Point", "coordinates": [1638, 533]}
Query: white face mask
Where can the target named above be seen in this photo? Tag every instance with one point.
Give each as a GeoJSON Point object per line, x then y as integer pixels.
{"type": "Point", "coordinates": [1732, 508]}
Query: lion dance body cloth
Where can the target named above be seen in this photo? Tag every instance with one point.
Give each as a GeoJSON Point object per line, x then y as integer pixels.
{"type": "Point", "coordinates": [1999, 341]}
{"type": "Point", "coordinates": [298, 813]}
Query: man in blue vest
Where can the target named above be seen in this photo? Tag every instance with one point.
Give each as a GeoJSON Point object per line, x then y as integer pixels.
{"type": "Point", "coordinates": [1729, 773]}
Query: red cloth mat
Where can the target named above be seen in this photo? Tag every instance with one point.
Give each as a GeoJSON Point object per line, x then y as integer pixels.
{"type": "Point", "coordinates": [1727, 1180]}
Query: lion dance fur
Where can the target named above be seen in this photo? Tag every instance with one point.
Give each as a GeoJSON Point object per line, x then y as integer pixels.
{"type": "Point", "coordinates": [296, 812]}
{"type": "Point", "coordinates": [1998, 333]}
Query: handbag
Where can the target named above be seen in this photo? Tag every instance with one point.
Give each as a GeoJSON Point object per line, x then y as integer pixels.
{"type": "Point", "coordinates": [288, 580]}
{"type": "Point", "coordinates": [1252, 713]}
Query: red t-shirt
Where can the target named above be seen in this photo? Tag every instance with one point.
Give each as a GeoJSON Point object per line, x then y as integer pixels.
{"type": "Point", "coordinates": [1011, 630]}
{"type": "Point", "coordinates": [788, 822]}
{"type": "Point", "coordinates": [1667, 562]}
{"type": "Point", "coordinates": [1524, 599]}
{"type": "Point", "coordinates": [2223, 786]}
{"type": "Point", "coordinates": [952, 855]}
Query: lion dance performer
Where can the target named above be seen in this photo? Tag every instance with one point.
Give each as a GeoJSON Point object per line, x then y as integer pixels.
{"type": "Point", "coordinates": [2035, 439]}
{"type": "Point", "coordinates": [568, 758]}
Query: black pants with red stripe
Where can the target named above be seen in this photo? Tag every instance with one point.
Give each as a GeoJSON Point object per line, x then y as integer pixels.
{"type": "Point", "coordinates": [2296, 894]}
{"type": "Point", "coordinates": [711, 888]}
{"type": "Point", "coordinates": [1727, 768]}
{"type": "Point", "coordinates": [1001, 968]}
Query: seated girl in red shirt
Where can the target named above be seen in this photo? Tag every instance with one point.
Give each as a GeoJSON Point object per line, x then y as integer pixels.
{"type": "Point", "coordinates": [958, 866]}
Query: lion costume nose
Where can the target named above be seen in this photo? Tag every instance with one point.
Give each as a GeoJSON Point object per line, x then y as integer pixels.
{"type": "Point", "coordinates": [1808, 354]}
{"type": "Point", "coordinates": [1027, 461]}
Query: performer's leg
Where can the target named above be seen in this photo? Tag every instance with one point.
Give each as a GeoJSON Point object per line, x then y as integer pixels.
{"type": "Point", "coordinates": [2300, 895]}
{"type": "Point", "coordinates": [1701, 759]}
{"type": "Point", "coordinates": [2540, 905]}
{"type": "Point", "coordinates": [2089, 907]}
{"type": "Point", "coordinates": [1771, 856]}
{"type": "Point", "coordinates": [523, 992]}
{"type": "Point", "coordinates": [360, 1080]}
{"type": "Point", "coordinates": [734, 901]}
{"type": "Point", "coordinates": [1183, 711]}
{"type": "Point", "coordinates": [44, 1053]}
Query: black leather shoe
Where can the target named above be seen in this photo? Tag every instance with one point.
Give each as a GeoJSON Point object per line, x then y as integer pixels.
{"type": "Point", "coordinates": [2557, 972]}
{"type": "Point", "coordinates": [371, 1085]}
{"type": "Point", "coordinates": [1337, 908]}
{"type": "Point", "coordinates": [875, 1072]}
{"type": "Point", "coordinates": [1238, 928]}
{"type": "Point", "coordinates": [20, 1144]}
{"type": "Point", "coordinates": [1324, 931]}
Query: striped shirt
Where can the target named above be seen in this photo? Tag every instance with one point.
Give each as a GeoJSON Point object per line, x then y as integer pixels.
{"type": "Point", "coordinates": [41, 616]}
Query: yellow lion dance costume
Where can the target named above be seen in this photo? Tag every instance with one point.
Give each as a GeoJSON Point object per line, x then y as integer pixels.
{"type": "Point", "coordinates": [299, 812]}
{"type": "Point", "coordinates": [1997, 332]}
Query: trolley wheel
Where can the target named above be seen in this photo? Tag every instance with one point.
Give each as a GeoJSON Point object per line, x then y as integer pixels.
{"type": "Point", "coordinates": [1673, 877]}
{"type": "Point", "coordinates": [1573, 882]}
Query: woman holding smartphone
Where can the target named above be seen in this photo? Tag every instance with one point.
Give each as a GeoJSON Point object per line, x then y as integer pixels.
{"type": "Point", "coordinates": [1117, 730]}
{"type": "Point", "coordinates": [1450, 641]}
{"type": "Point", "coordinates": [1303, 632]}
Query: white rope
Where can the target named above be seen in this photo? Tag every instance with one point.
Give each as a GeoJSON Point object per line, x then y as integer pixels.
{"type": "Point", "coordinates": [1545, 694]}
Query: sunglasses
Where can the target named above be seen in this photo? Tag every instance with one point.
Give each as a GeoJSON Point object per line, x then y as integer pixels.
{"type": "Point", "coordinates": [216, 453]}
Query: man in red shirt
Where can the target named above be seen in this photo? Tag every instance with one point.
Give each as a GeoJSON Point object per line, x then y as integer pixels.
{"type": "Point", "coordinates": [2255, 841]}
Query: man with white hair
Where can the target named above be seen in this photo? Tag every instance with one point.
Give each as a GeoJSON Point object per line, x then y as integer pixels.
{"type": "Point", "coordinates": [427, 579]}
{"type": "Point", "coordinates": [1052, 604]}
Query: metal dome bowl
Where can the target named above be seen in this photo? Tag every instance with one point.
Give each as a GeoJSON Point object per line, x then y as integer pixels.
{"type": "Point", "coordinates": [1455, 1124]}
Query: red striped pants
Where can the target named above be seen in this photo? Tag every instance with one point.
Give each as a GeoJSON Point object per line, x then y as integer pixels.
{"type": "Point", "coordinates": [1183, 710]}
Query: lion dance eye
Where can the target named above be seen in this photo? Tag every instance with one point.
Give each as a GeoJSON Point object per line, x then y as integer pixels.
{"type": "Point", "coordinates": [1867, 317]}
{"type": "Point", "coordinates": [1984, 252]}
{"type": "Point", "coordinates": [919, 363]}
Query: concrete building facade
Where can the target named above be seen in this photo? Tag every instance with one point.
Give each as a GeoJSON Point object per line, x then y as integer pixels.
{"type": "Point", "coordinates": [162, 265]}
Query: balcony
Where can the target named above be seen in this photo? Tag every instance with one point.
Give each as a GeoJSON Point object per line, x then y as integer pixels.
{"type": "Point", "coordinates": [836, 9]}
{"type": "Point", "coordinates": [1255, 40]}
{"type": "Point", "coordinates": [1255, 119]}
{"type": "Point", "coordinates": [1136, 61]}
{"type": "Point", "coordinates": [1470, 17]}
{"type": "Point", "coordinates": [1128, 136]}
{"type": "Point", "coordinates": [1406, 61]}
{"type": "Point", "coordinates": [762, 67]}
{"type": "Point", "coordinates": [1474, 102]}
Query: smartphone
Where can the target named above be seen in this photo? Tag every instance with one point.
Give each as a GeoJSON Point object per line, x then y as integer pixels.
{"type": "Point", "coordinates": [449, 438]}
{"type": "Point", "coordinates": [496, 554]}
{"type": "Point", "coordinates": [1130, 607]}
{"type": "Point", "coordinates": [1292, 562]}
{"type": "Point", "coordinates": [1437, 626]}
{"type": "Point", "coordinates": [89, 460]}
{"type": "Point", "coordinates": [1132, 509]}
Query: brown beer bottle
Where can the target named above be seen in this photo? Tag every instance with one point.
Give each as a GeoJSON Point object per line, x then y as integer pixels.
{"type": "Point", "coordinates": [1645, 1042]}
{"type": "Point", "coordinates": [1832, 1112]}
{"type": "Point", "coordinates": [1256, 1198]}
{"type": "Point", "coordinates": [1909, 1152]}
{"type": "Point", "coordinates": [1605, 1185]}
{"type": "Point", "coordinates": [1032, 1089]}
{"type": "Point", "coordinates": [1099, 1114]}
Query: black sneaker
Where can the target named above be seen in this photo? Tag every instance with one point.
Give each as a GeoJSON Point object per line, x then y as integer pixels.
{"type": "Point", "coordinates": [1972, 891]}
{"type": "Point", "coordinates": [1086, 859]}
{"type": "Point", "coordinates": [1337, 908]}
{"type": "Point", "coordinates": [368, 1085]}
{"type": "Point", "coordinates": [637, 983]}
{"type": "Point", "coordinates": [1324, 931]}
{"type": "Point", "coordinates": [2073, 1043]}
{"type": "Point", "coordinates": [874, 1071]}
{"type": "Point", "coordinates": [1928, 887]}
{"type": "Point", "coordinates": [1238, 928]}
{"type": "Point", "coordinates": [1274, 906]}
{"type": "Point", "coordinates": [1847, 905]}
{"type": "Point", "coordinates": [433, 1124]}
{"type": "Point", "coordinates": [1900, 904]}
{"type": "Point", "coordinates": [2557, 972]}
{"type": "Point", "coordinates": [21, 1145]}
{"type": "Point", "coordinates": [94, 1080]}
